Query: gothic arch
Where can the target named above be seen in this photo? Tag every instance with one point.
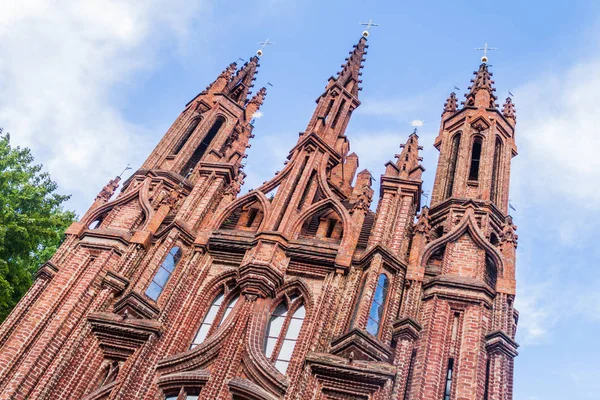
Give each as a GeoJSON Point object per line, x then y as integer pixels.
{"type": "Point", "coordinates": [256, 364]}
{"type": "Point", "coordinates": [317, 207]}
{"type": "Point", "coordinates": [247, 199]}
{"type": "Point", "coordinates": [201, 355]}
{"type": "Point", "coordinates": [141, 192]}
{"type": "Point", "coordinates": [467, 224]}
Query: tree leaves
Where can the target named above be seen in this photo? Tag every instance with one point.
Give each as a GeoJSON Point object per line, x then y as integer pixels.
{"type": "Point", "coordinates": [32, 221]}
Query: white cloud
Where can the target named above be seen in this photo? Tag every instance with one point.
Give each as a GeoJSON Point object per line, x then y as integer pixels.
{"type": "Point", "coordinates": [61, 62]}
{"type": "Point", "coordinates": [558, 135]}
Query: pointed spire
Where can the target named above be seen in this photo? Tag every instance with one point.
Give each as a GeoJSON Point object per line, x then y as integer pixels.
{"type": "Point", "coordinates": [481, 91]}
{"type": "Point", "coordinates": [238, 88]}
{"type": "Point", "coordinates": [219, 84]}
{"type": "Point", "coordinates": [508, 110]}
{"type": "Point", "coordinates": [451, 104]}
{"type": "Point", "coordinates": [349, 75]}
{"type": "Point", "coordinates": [408, 164]}
{"type": "Point", "coordinates": [255, 102]}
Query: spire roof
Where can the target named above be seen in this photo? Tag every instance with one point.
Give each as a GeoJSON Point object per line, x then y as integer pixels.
{"type": "Point", "coordinates": [238, 88]}
{"type": "Point", "coordinates": [481, 91]}
{"type": "Point", "coordinates": [350, 73]}
{"type": "Point", "coordinates": [408, 163]}
{"type": "Point", "coordinates": [508, 110]}
{"type": "Point", "coordinates": [451, 104]}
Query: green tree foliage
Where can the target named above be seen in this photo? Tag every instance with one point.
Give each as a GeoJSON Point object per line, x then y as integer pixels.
{"type": "Point", "coordinates": [32, 221]}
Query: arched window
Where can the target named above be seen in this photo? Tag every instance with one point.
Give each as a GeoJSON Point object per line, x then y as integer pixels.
{"type": "Point", "coordinates": [282, 333]}
{"type": "Point", "coordinates": [218, 311]}
{"type": "Point", "coordinates": [191, 128]}
{"type": "Point", "coordinates": [475, 159]}
{"type": "Point", "coordinates": [452, 164]}
{"type": "Point", "coordinates": [199, 152]}
{"type": "Point", "coordinates": [164, 273]}
{"type": "Point", "coordinates": [495, 187]}
{"type": "Point", "coordinates": [378, 305]}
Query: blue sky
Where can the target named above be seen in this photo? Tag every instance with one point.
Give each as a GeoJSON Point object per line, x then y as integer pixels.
{"type": "Point", "coordinates": [92, 85]}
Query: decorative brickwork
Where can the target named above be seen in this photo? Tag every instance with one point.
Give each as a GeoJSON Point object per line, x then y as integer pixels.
{"type": "Point", "coordinates": [182, 287]}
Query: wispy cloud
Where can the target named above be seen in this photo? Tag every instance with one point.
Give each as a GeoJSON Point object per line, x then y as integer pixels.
{"type": "Point", "coordinates": [61, 61]}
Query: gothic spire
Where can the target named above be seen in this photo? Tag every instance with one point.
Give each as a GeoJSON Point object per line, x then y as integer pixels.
{"type": "Point", "coordinates": [238, 88]}
{"type": "Point", "coordinates": [451, 104]}
{"type": "Point", "coordinates": [508, 110]}
{"type": "Point", "coordinates": [350, 73]}
{"type": "Point", "coordinates": [481, 91]}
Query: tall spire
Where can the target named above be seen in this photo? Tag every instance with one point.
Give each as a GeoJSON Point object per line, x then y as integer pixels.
{"type": "Point", "coordinates": [349, 75]}
{"type": "Point", "coordinates": [508, 110]}
{"type": "Point", "coordinates": [238, 88]}
{"type": "Point", "coordinates": [481, 91]}
{"type": "Point", "coordinates": [408, 161]}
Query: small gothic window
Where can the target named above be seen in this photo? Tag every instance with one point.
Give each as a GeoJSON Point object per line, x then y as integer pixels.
{"type": "Point", "coordinates": [199, 152]}
{"type": "Point", "coordinates": [452, 161]}
{"type": "Point", "coordinates": [338, 113]}
{"type": "Point", "coordinates": [164, 273]}
{"type": "Point", "coordinates": [475, 159]}
{"type": "Point", "coordinates": [495, 186]}
{"type": "Point", "coordinates": [95, 224]}
{"type": "Point", "coordinates": [282, 333]}
{"type": "Point", "coordinates": [191, 128]}
{"type": "Point", "coordinates": [378, 305]}
{"type": "Point", "coordinates": [218, 311]}
{"type": "Point", "coordinates": [448, 387]}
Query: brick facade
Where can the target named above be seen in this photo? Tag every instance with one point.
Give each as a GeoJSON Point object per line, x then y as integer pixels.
{"type": "Point", "coordinates": [181, 287]}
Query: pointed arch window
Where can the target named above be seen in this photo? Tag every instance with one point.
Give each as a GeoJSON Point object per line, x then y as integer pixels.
{"type": "Point", "coordinates": [452, 164]}
{"type": "Point", "coordinates": [164, 273]}
{"type": "Point", "coordinates": [283, 331]}
{"type": "Point", "coordinates": [218, 312]}
{"type": "Point", "coordinates": [191, 128]}
{"type": "Point", "coordinates": [378, 305]}
{"type": "Point", "coordinates": [201, 149]}
{"type": "Point", "coordinates": [495, 187]}
{"type": "Point", "coordinates": [475, 159]}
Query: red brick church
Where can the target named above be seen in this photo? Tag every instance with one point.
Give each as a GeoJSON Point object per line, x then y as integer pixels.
{"type": "Point", "coordinates": [182, 288]}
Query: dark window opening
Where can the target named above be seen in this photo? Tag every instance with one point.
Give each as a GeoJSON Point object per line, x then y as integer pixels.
{"type": "Point", "coordinates": [251, 217]}
{"type": "Point", "coordinates": [339, 112]}
{"type": "Point", "coordinates": [330, 227]}
{"type": "Point", "coordinates": [486, 393]}
{"type": "Point", "coordinates": [329, 106]}
{"type": "Point", "coordinates": [452, 164]}
{"type": "Point", "coordinates": [475, 159]}
{"type": "Point", "coordinates": [191, 128]}
{"type": "Point", "coordinates": [448, 389]}
{"type": "Point", "coordinates": [495, 187]}
{"type": "Point", "coordinates": [199, 152]}
{"type": "Point", "coordinates": [306, 189]}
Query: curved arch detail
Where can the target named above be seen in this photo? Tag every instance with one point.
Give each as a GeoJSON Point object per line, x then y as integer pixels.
{"type": "Point", "coordinates": [240, 202]}
{"type": "Point", "coordinates": [321, 206]}
{"type": "Point", "coordinates": [469, 224]}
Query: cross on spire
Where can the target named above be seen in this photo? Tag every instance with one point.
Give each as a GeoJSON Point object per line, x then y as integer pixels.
{"type": "Point", "coordinates": [368, 25]}
{"type": "Point", "coordinates": [485, 49]}
{"type": "Point", "coordinates": [263, 45]}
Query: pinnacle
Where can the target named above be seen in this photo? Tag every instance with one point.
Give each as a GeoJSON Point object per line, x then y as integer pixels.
{"type": "Point", "coordinates": [451, 104]}
{"type": "Point", "coordinates": [508, 110]}
{"type": "Point", "coordinates": [409, 160]}
{"type": "Point", "coordinates": [238, 87]}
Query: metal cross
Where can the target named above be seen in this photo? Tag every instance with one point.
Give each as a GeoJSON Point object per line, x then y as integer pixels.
{"type": "Point", "coordinates": [369, 24]}
{"type": "Point", "coordinates": [265, 43]}
{"type": "Point", "coordinates": [485, 49]}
